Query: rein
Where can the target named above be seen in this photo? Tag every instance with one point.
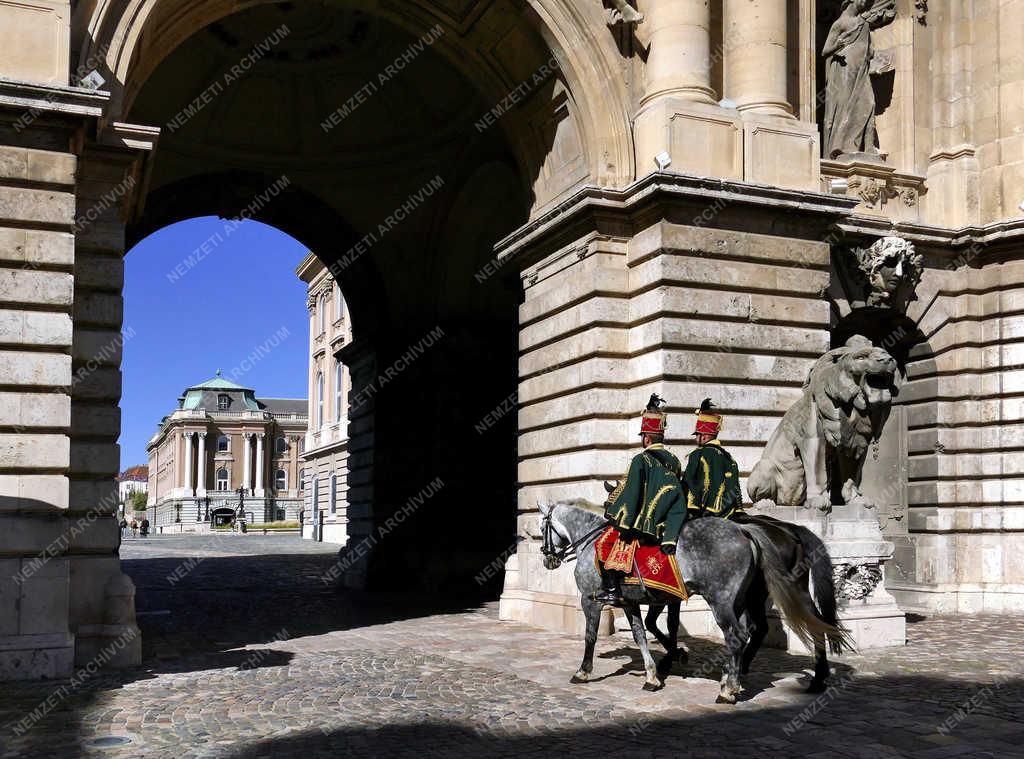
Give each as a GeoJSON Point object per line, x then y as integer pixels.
{"type": "Point", "coordinates": [571, 551]}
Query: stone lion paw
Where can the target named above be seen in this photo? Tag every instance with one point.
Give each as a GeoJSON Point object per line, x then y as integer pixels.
{"type": "Point", "coordinates": [820, 503]}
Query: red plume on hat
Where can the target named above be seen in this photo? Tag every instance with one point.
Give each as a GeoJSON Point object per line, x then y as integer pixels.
{"type": "Point", "coordinates": [654, 421]}
{"type": "Point", "coordinates": [708, 422]}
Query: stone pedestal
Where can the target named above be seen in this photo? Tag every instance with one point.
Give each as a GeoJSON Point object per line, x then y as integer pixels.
{"type": "Point", "coordinates": [859, 553]}
{"type": "Point", "coordinates": [879, 189]}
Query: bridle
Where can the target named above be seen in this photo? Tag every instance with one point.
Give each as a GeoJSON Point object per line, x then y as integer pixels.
{"type": "Point", "coordinates": [555, 557]}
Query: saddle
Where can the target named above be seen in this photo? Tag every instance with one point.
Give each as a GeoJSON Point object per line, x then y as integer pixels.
{"type": "Point", "coordinates": [631, 556]}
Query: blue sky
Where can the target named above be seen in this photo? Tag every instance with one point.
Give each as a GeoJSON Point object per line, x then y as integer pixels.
{"type": "Point", "coordinates": [227, 302]}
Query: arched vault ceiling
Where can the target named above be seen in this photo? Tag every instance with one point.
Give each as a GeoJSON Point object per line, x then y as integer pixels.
{"type": "Point", "coordinates": [494, 45]}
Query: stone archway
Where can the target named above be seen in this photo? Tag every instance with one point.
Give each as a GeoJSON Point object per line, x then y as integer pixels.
{"type": "Point", "coordinates": [451, 108]}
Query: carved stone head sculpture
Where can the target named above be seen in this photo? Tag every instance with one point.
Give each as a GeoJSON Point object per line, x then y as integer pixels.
{"type": "Point", "coordinates": [891, 271]}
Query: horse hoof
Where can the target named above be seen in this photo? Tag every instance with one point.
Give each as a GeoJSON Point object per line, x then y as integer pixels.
{"type": "Point", "coordinates": [576, 680]}
{"type": "Point", "coordinates": [652, 687]}
{"type": "Point", "coordinates": [816, 686]}
{"type": "Point", "coordinates": [723, 700]}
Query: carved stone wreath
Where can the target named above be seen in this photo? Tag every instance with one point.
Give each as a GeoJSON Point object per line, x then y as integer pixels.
{"type": "Point", "coordinates": [855, 582]}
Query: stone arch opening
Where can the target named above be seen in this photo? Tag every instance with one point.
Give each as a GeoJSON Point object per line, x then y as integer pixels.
{"type": "Point", "coordinates": [391, 137]}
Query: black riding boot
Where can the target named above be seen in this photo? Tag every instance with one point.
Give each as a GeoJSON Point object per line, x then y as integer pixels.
{"type": "Point", "coordinates": [611, 589]}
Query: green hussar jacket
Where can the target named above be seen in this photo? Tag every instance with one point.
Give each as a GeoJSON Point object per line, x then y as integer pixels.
{"type": "Point", "coordinates": [712, 482]}
{"type": "Point", "coordinates": [650, 498]}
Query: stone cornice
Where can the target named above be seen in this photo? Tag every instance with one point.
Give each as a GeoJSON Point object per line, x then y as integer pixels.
{"type": "Point", "coordinates": [993, 236]}
{"type": "Point", "coordinates": [592, 207]}
{"type": "Point", "coordinates": [52, 100]}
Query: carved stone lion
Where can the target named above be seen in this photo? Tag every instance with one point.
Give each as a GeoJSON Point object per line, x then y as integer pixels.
{"type": "Point", "coordinates": [824, 435]}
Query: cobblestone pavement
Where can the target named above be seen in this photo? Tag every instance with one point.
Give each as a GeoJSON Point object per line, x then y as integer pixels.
{"type": "Point", "coordinates": [248, 653]}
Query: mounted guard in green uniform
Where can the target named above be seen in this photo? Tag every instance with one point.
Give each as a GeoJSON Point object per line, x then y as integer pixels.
{"type": "Point", "coordinates": [649, 504]}
{"type": "Point", "coordinates": [711, 477]}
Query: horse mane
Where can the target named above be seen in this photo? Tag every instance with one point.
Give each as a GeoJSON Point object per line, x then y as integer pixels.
{"type": "Point", "coordinates": [582, 504]}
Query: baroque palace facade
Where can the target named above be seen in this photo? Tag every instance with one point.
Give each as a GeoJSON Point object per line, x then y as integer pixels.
{"type": "Point", "coordinates": [224, 453]}
{"type": "Point", "coordinates": [325, 506]}
{"type": "Point", "coordinates": [589, 211]}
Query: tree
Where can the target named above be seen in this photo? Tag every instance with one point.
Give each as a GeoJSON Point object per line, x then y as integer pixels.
{"type": "Point", "coordinates": [138, 499]}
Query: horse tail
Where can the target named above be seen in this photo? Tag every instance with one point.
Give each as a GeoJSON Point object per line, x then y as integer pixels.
{"type": "Point", "coordinates": [807, 622]}
{"type": "Point", "coordinates": [822, 585]}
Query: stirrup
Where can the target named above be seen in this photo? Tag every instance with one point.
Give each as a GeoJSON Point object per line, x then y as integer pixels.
{"type": "Point", "coordinates": [607, 597]}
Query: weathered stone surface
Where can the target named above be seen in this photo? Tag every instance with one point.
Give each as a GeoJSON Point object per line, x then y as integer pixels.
{"type": "Point", "coordinates": [34, 451]}
{"type": "Point", "coordinates": [33, 247]}
{"type": "Point", "coordinates": [42, 166]}
{"type": "Point", "coordinates": [42, 288]}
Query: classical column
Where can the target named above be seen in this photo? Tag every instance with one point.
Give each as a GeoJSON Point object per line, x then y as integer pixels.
{"type": "Point", "coordinates": [188, 463]}
{"type": "Point", "coordinates": [679, 62]}
{"type": "Point", "coordinates": [755, 56]}
{"type": "Point", "coordinates": [260, 464]}
{"type": "Point", "coordinates": [201, 479]}
{"type": "Point", "coordinates": [247, 461]}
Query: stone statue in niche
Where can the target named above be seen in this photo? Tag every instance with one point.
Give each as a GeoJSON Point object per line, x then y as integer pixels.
{"type": "Point", "coordinates": [626, 13]}
{"type": "Point", "coordinates": [824, 437]}
{"type": "Point", "coordinates": [850, 60]}
{"type": "Point", "coordinates": [890, 270]}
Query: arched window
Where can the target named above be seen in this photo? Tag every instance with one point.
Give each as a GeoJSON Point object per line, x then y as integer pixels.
{"type": "Point", "coordinates": [302, 480]}
{"type": "Point", "coordinates": [338, 390]}
{"type": "Point", "coordinates": [223, 444]}
{"type": "Point", "coordinates": [334, 493]}
{"type": "Point", "coordinates": [281, 480]}
{"type": "Point", "coordinates": [319, 400]}
{"type": "Point", "coordinates": [222, 479]}
{"type": "Point", "coordinates": [282, 444]}
{"type": "Point", "coordinates": [323, 314]}
{"type": "Point", "coordinates": [223, 402]}
{"type": "Point", "coordinates": [337, 302]}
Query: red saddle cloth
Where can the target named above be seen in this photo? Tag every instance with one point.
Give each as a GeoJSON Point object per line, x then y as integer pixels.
{"type": "Point", "coordinates": [658, 570]}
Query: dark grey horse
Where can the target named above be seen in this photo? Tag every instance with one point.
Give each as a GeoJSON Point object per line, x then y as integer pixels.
{"type": "Point", "coordinates": [735, 567]}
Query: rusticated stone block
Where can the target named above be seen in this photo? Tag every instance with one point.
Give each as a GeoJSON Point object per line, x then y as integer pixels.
{"type": "Point", "coordinates": [41, 288]}
{"type": "Point", "coordinates": [40, 369]}
{"type": "Point", "coordinates": [34, 451]}
{"type": "Point", "coordinates": [97, 308]}
{"type": "Point", "coordinates": [36, 206]}
{"type": "Point", "coordinates": [34, 247]}
{"type": "Point", "coordinates": [34, 328]}
{"type": "Point", "coordinates": [28, 492]}
{"type": "Point", "coordinates": [95, 458]}
{"type": "Point", "coordinates": [30, 410]}
{"type": "Point", "coordinates": [30, 165]}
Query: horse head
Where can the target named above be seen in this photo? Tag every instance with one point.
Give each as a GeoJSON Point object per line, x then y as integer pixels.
{"type": "Point", "coordinates": [554, 542]}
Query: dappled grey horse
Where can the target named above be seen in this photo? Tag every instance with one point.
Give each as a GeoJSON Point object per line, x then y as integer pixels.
{"type": "Point", "coordinates": [735, 567]}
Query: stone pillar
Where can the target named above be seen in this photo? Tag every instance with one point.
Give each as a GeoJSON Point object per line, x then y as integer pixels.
{"type": "Point", "coordinates": [188, 464]}
{"type": "Point", "coordinates": [360, 359]}
{"type": "Point", "coordinates": [679, 126]}
{"type": "Point", "coordinates": [201, 478]}
{"type": "Point", "coordinates": [261, 465]}
{"type": "Point", "coordinates": [102, 597]}
{"type": "Point", "coordinates": [37, 206]}
{"type": "Point", "coordinates": [755, 61]}
{"type": "Point", "coordinates": [679, 62]}
{"type": "Point", "coordinates": [247, 461]}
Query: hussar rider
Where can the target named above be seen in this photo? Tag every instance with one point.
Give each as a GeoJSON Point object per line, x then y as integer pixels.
{"type": "Point", "coordinates": [649, 504]}
{"type": "Point", "coordinates": [711, 477]}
